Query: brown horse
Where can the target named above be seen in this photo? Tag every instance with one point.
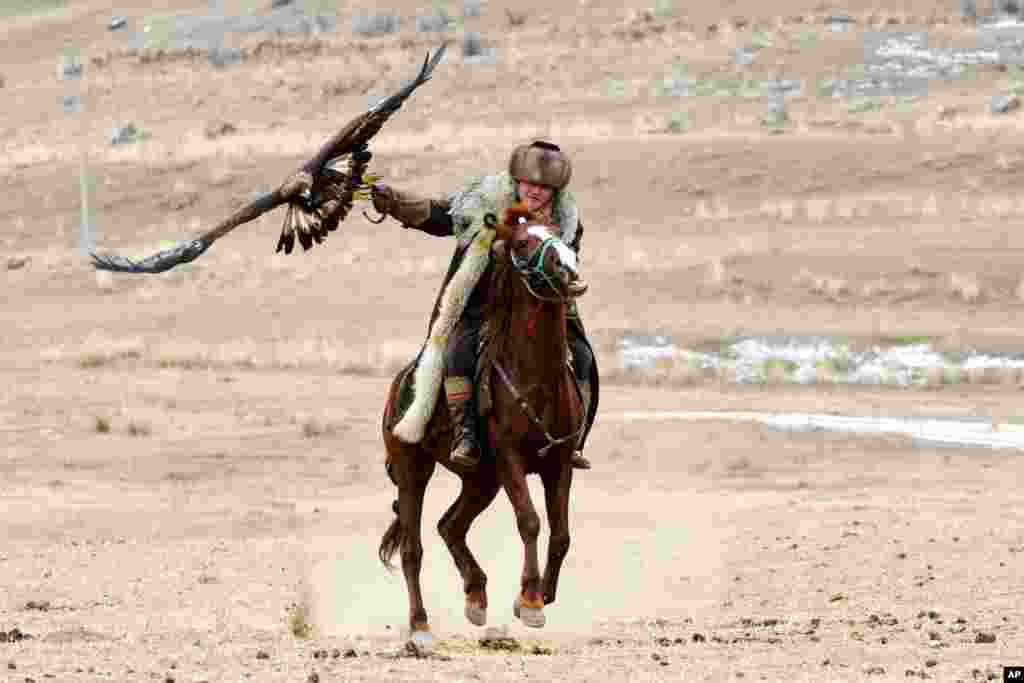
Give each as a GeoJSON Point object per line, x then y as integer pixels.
{"type": "Point", "coordinates": [534, 420]}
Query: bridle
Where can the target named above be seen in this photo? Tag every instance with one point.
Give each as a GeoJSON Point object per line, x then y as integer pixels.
{"type": "Point", "coordinates": [531, 270]}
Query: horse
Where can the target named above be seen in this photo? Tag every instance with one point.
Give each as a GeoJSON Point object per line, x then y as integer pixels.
{"type": "Point", "coordinates": [533, 421]}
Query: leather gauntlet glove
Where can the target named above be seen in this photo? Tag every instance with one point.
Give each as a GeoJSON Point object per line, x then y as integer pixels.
{"type": "Point", "coordinates": [405, 207]}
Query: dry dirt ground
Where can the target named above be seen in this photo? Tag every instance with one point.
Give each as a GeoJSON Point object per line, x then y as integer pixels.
{"type": "Point", "coordinates": [192, 476]}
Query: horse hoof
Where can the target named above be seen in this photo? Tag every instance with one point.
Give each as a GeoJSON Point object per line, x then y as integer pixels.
{"type": "Point", "coordinates": [476, 615]}
{"type": "Point", "coordinates": [530, 616]}
{"type": "Point", "coordinates": [422, 640]}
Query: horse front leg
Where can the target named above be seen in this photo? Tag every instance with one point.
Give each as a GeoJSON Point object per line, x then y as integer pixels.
{"type": "Point", "coordinates": [557, 484]}
{"type": "Point", "coordinates": [529, 605]}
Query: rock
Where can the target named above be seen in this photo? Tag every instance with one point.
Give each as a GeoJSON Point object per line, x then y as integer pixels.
{"type": "Point", "coordinates": [16, 262]}
{"type": "Point", "coordinates": [320, 654]}
{"type": "Point", "coordinates": [1002, 104]}
{"type": "Point", "coordinates": [984, 637]}
{"type": "Point", "coordinates": [216, 129]}
{"type": "Point", "coordinates": [116, 23]}
{"type": "Point", "coordinates": [223, 56]}
{"type": "Point", "coordinates": [71, 68]}
{"type": "Point", "coordinates": [699, 638]}
{"type": "Point", "coordinates": [313, 678]}
{"type": "Point", "coordinates": [335, 653]}
{"type": "Point", "coordinates": [377, 24]}
{"type": "Point", "coordinates": [432, 23]}
{"type": "Point", "coordinates": [260, 654]}
{"type": "Point", "coordinates": [471, 46]}
{"type": "Point", "coordinates": [350, 654]}
{"type": "Point", "coordinates": [125, 135]}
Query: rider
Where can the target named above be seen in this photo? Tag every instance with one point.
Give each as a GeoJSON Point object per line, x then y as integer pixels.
{"type": "Point", "coordinates": [537, 176]}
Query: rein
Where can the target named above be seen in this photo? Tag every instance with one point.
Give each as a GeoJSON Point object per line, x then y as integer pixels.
{"type": "Point", "coordinates": [532, 415]}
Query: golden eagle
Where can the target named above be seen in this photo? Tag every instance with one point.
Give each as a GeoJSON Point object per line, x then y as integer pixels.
{"type": "Point", "coordinates": [318, 196]}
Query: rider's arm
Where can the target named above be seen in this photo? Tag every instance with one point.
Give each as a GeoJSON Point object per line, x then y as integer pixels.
{"type": "Point", "coordinates": [428, 215]}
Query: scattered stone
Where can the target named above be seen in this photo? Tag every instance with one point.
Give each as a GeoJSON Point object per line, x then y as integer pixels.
{"type": "Point", "coordinates": [931, 663]}
{"type": "Point", "coordinates": [515, 18]}
{"type": "Point", "coordinates": [16, 262]}
{"type": "Point", "coordinates": [313, 678]}
{"type": "Point", "coordinates": [216, 129]}
{"type": "Point", "coordinates": [11, 666]}
{"type": "Point", "coordinates": [350, 653]}
{"type": "Point", "coordinates": [471, 46]}
{"type": "Point", "coordinates": [260, 654]}
{"type": "Point", "coordinates": [320, 654]}
{"type": "Point", "coordinates": [71, 68]}
{"type": "Point", "coordinates": [699, 638]}
{"type": "Point", "coordinates": [1002, 104]}
{"type": "Point", "coordinates": [375, 25]}
{"type": "Point", "coordinates": [223, 56]}
{"type": "Point", "coordinates": [126, 135]}
{"type": "Point", "coordinates": [116, 23]}
{"type": "Point", "coordinates": [433, 23]}
{"type": "Point", "coordinates": [38, 605]}
{"type": "Point", "coordinates": [745, 56]}
{"type": "Point", "coordinates": [914, 673]}
{"type": "Point", "coordinates": [874, 670]}
{"type": "Point", "coordinates": [985, 637]}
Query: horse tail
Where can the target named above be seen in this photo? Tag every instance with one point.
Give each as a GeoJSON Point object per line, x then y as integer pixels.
{"type": "Point", "coordinates": [392, 539]}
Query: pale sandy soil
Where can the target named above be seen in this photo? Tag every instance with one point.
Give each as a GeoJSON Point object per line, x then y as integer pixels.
{"type": "Point", "coordinates": [242, 471]}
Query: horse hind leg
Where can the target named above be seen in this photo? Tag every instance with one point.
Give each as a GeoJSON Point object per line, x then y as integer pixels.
{"type": "Point", "coordinates": [411, 471]}
{"type": "Point", "coordinates": [477, 493]}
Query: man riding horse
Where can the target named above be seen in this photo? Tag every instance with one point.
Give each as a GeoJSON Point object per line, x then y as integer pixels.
{"type": "Point", "coordinates": [537, 176]}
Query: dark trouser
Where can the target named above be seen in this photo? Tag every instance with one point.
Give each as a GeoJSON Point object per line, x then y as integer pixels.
{"type": "Point", "coordinates": [582, 359]}
{"type": "Point", "coordinates": [464, 348]}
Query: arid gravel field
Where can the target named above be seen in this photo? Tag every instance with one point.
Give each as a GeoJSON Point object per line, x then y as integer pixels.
{"type": "Point", "coordinates": [191, 472]}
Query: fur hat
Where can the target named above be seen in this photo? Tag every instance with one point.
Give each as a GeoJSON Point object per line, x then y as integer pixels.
{"type": "Point", "coordinates": [542, 163]}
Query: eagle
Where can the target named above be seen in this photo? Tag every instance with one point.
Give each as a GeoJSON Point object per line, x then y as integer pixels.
{"type": "Point", "coordinates": [318, 195]}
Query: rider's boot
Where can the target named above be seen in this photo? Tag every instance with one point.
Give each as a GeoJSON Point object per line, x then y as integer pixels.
{"type": "Point", "coordinates": [578, 461]}
{"type": "Point", "coordinates": [465, 455]}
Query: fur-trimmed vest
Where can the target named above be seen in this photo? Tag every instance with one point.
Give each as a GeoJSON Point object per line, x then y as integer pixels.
{"type": "Point", "coordinates": [489, 194]}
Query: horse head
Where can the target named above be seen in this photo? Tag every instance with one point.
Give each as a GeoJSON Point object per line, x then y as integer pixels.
{"type": "Point", "coordinates": [546, 265]}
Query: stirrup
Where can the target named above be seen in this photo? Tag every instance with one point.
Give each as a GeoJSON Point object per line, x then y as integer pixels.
{"type": "Point", "coordinates": [466, 455]}
{"type": "Point", "coordinates": [578, 461]}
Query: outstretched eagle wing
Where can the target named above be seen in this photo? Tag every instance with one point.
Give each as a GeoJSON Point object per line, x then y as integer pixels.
{"type": "Point", "coordinates": [318, 197]}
